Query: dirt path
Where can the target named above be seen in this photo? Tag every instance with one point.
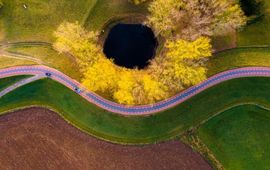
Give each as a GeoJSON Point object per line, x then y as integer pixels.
{"type": "Point", "coordinates": [39, 139]}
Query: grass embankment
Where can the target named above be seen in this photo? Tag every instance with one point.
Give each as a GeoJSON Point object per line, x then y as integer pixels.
{"type": "Point", "coordinates": [239, 57]}
{"type": "Point", "coordinates": [5, 82]}
{"type": "Point", "coordinates": [7, 61]}
{"type": "Point", "coordinates": [136, 129]}
{"type": "Point", "coordinates": [62, 62]}
{"type": "Point", "coordinates": [114, 10]}
{"type": "Point", "coordinates": [38, 21]}
{"type": "Point", "coordinates": [239, 137]}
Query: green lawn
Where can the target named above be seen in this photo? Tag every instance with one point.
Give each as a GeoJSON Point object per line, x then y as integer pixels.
{"type": "Point", "coordinates": [63, 62]}
{"type": "Point", "coordinates": [41, 18]}
{"type": "Point", "coordinates": [5, 82]}
{"type": "Point", "coordinates": [106, 10]}
{"type": "Point", "coordinates": [239, 137]}
{"type": "Point", "coordinates": [162, 126]}
{"type": "Point", "coordinates": [7, 61]}
{"type": "Point", "coordinates": [241, 57]}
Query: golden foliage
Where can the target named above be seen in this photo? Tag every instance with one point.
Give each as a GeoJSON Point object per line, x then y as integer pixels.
{"type": "Point", "coordinates": [153, 89]}
{"type": "Point", "coordinates": [102, 76]}
{"type": "Point", "coordinates": [180, 49]}
{"type": "Point", "coordinates": [72, 38]}
{"type": "Point", "coordinates": [125, 85]}
{"type": "Point", "coordinates": [180, 66]}
{"type": "Point", "coordinates": [190, 19]}
{"type": "Point", "coordinates": [187, 59]}
{"type": "Point", "coordinates": [162, 18]}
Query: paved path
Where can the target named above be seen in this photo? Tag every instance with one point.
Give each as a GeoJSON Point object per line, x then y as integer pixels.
{"type": "Point", "coordinates": [21, 83]}
{"type": "Point", "coordinates": [136, 110]}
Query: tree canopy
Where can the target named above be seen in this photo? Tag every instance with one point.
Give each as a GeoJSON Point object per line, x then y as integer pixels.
{"type": "Point", "coordinates": [190, 19]}
{"type": "Point", "coordinates": [186, 25]}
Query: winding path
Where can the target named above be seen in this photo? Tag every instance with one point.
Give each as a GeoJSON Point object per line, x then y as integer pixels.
{"type": "Point", "coordinates": [134, 110]}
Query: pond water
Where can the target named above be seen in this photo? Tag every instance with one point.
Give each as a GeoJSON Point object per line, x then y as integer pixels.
{"type": "Point", "coordinates": [130, 45]}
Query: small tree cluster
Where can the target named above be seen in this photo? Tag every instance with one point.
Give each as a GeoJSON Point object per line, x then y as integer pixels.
{"type": "Point", "coordinates": [190, 19]}
{"type": "Point", "coordinates": [101, 74]}
{"type": "Point", "coordinates": [72, 38]}
{"type": "Point", "coordinates": [181, 66]}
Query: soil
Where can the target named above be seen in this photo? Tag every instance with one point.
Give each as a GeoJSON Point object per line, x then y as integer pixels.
{"type": "Point", "coordinates": [37, 138]}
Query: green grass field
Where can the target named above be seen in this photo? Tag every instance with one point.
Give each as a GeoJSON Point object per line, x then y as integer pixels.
{"type": "Point", "coordinates": [5, 82]}
{"type": "Point", "coordinates": [114, 9]}
{"type": "Point", "coordinates": [50, 57]}
{"type": "Point", "coordinates": [38, 21]}
{"type": "Point", "coordinates": [149, 129]}
{"type": "Point", "coordinates": [238, 57]}
{"type": "Point", "coordinates": [7, 61]}
{"type": "Point", "coordinates": [239, 137]}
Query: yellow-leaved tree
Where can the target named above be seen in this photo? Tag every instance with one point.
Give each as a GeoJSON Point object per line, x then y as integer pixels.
{"type": "Point", "coordinates": [123, 92]}
{"type": "Point", "coordinates": [162, 17]}
{"type": "Point", "coordinates": [190, 19]}
{"type": "Point", "coordinates": [188, 59]}
{"type": "Point", "coordinates": [102, 76]}
{"type": "Point", "coordinates": [73, 38]}
{"type": "Point", "coordinates": [179, 66]}
{"type": "Point", "coordinates": [153, 89]}
{"type": "Point", "coordinates": [182, 65]}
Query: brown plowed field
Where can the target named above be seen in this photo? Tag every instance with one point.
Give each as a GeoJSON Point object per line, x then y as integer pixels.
{"type": "Point", "coordinates": [40, 139]}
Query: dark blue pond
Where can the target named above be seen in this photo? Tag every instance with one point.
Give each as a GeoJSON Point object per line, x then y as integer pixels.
{"type": "Point", "coordinates": [130, 45]}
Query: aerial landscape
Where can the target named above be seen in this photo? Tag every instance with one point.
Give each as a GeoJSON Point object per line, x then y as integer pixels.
{"type": "Point", "coordinates": [135, 84]}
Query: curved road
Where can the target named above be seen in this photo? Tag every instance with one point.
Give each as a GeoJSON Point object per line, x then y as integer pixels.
{"type": "Point", "coordinates": [135, 110]}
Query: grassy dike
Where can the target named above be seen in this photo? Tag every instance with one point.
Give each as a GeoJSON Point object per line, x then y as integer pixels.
{"type": "Point", "coordinates": [138, 129]}
{"type": "Point", "coordinates": [239, 137]}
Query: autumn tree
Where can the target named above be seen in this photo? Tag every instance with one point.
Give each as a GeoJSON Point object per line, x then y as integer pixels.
{"type": "Point", "coordinates": [123, 92]}
{"type": "Point", "coordinates": [180, 65]}
{"type": "Point", "coordinates": [183, 64]}
{"type": "Point", "coordinates": [190, 19]}
{"type": "Point", "coordinates": [153, 89]}
{"type": "Point", "coordinates": [188, 58]}
{"type": "Point", "coordinates": [101, 76]}
{"type": "Point", "coordinates": [73, 38]}
{"type": "Point", "coordinates": [163, 16]}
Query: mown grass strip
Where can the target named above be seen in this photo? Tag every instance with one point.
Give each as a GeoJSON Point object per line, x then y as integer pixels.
{"type": "Point", "coordinates": [137, 129]}
{"type": "Point", "coordinates": [239, 57]}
